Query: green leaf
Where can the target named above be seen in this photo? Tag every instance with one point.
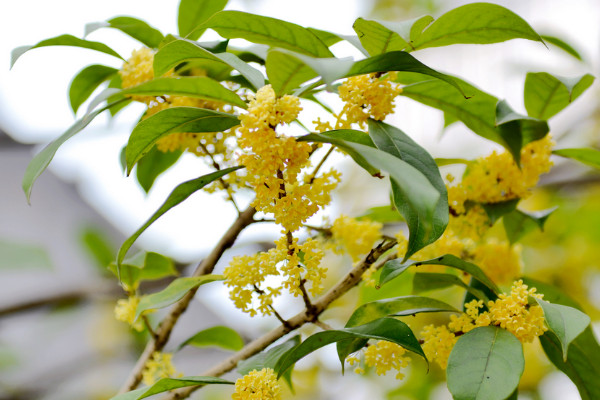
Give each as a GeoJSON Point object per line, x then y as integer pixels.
{"type": "Point", "coordinates": [587, 156]}
{"type": "Point", "coordinates": [450, 161]}
{"type": "Point", "coordinates": [154, 163]}
{"type": "Point", "coordinates": [495, 211]}
{"type": "Point", "coordinates": [395, 142]}
{"type": "Point", "coordinates": [173, 293]}
{"type": "Point", "coordinates": [41, 160]}
{"type": "Point", "coordinates": [179, 51]}
{"type": "Point", "coordinates": [63, 40]}
{"type": "Point", "coordinates": [192, 86]}
{"type": "Point", "coordinates": [519, 223]}
{"type": "Point", "coordinates": [86, 81]}
{"type": "Point", "coordinates": [518, 130]}
{"type": "Point", "coordinates": [143, 266]}
{"type": "Point", "coordinates": [565, 322]}
{"type": "Point", "coordinates": [134, 27]}
{"type": "Point", "coordinates": [326, 37]}
{"type": "Point", "coordinates": [178, 195]}
{"type": "Point", "coordinates": [173, 120]}
{"type": "Point", "coordinates": [546, 95]}
{"type": "Point", "coordinates": [561, 44]}
{"type": "Point", "coordinates": [382, 36]}
{"type": "Point", "coordinates": [192, 13]}
{"type": "Point", "coordinates": [477, 23]}
{"type": "Point", "coordinates": [485, 364]}
{"type": "Point", "coordinates": [393, 268]}
{"type": "Point", "coordinates": [20, 256]}
{"type": "Point", "coordinates": [166, 384]}
{"type": "Point", "coordinates": [420, 198]}
{"type": "Point", "coordinates": [383, 214]}
{"type": "Point", "coordinates": [424, 282]}
{"type": "Point", "coordinates": [402, 61]}
{"type": "Point", "coordinates": [265, 30]}
{"type": "Point", "coordinates": [98, 246]}
{"type": "Point", "coordinates": [220, 336]}
{"type": "Point", "coordinates": [389, 329]}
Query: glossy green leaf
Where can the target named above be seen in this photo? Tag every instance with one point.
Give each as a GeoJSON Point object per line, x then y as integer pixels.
{"type": "Point", "coordinates": [485, 364]}
{"type": "Point", "coordinates": [173, 120]}
{"type": "Point", "coordinates": [582, 365]}
{"type": "Point", "coordinates": [154, 163]}
{"type": "Point", "coordinates": [18, 256]}
{"type": "Point", "coordinates": [63, 40]}
{"type": "Point", "coordinates": [166, 384]}
{"type": "Point", "coordinates": [134, 27]}
{"type": "Point", "coordinates": [395, 142]}
{"type": "Point", "coordinates": [41, 160]}
{"type": "Point", "coordinates": [561, 44]}
{"type": "Point", "coordinates": [477, 23]}
{"type": "Point", "coordinates": [427, 281]}
{"type": "Point", "coordinates": [266, 30]}
{"type": "Point", "coordinates": [326, 37]}
{"type": "Point", "coordinates": [181, 50]}
{"type": "Point", "coordinates": [219, 336]}
{"type": "Point", "coordinates": [519, 223]}
{"type": "Point", "coordinates": [173, 293]}
{"type": "Point", "coordinates": [383, 36]}
{"type": "Point", "coordinates": [518, 130]}
{"type": "Point", "coordinates": [589, 157]}
{"type": "Point", "coordinates": [192, 13]}
{"type": "Point", "coordinates": [383, 214]}
{"type": "Point", "coordinates": [86, 81]}
{"type": "Point", "coordinates": [565, 322]}
{"type": "Point", "coordinates": [286, 72]}
{"type": "Point", "coordinates": [116, 83]}
{"type": "Point", "coordinates": [393, 268]}
{"type": "Point", "coordinates": [389, 329]}
{"type": "Point", "coordinates": [495, 211]}
{"type": "Point", "coordinates": [178, 195]}
{"type": "Point", "coordinates": [419, 197]}
{"type": "Point", "coordinates": [546, 95]}
{"type": "Point", "coordinates": [143, 266]}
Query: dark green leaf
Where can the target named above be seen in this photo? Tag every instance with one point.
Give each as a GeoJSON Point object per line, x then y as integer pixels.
{"type": "Point", "coordinates": [565, 322]}
{"type": "Point", "coordinates": [86, 81]}
{"type": "Point", "coordinates": [173, 293]}
{"type": "Point", "coordinates": [495, 211]}
{"type": "Point", "coordinates": [41, 160]}
{"type": "Point", "coordinates": [143, 266]}
{"type": "Point", "coordinates": [154, 163]}
{"type": "Point", "coordinates": [220, 336]}
{"type": "Point", "coordinates": [265, 30]}
{"type": "Point", "coordinates": [424, 282]}
{"type": "Point", "coordinates": [134, 27]}
{"type": "Point", "coordinates": [395, 142]}
{"type": "Point", "coordinates": [178, 195]}
{"type": "Point", "coordinates": [485, 364]}
{"type": "Point", "coordinates": [63, 40]}
{"type": "Point", "coordinates": [166, 384]}
{"type": "Point", "coordinates": [477, 23]}
{"type": "Point", "coordinates": [518, 130]}
{"type": "Point", "coordinates": [98, 246]}
{"type": "Point", "coordinates": [173, 120]}
{"type": "Point", "coordinates": [389, 329]}
{"type": "Point", "coordinates": [519, 223]}
{"type": "Point", "coordinates": [589, 157]}
{"type": "Point", "coordinates": [195, 12]}
{"type": "Point", "coordinates": [383, 214]}
{"type": "Point", "coordinates": [393, 268]}
{"type": "Point", "coordinates": [546, 95]}
{"type": "Point", "coordinates": [18, 256]}
{"type": "Point", "coordinates": [561, 44]}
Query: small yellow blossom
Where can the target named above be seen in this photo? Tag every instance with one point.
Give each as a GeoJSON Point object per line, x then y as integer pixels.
{"type": "Point", "coordinates": [355, 237]}
{"type": "Point", "coordinates": [137, 70]}
{"type": "Point", "coordinates": [257, 385]}
{"type": "Point", "coordinates": [438, 343]}
{"type": "Point", "coordinates": [385, 356]}
{"type": "Point", "coordinates": [499, 260]}
{"type": "Point", "coordinates": [125, 311]}
{"type": "Point", "coordinates": [158, 367]}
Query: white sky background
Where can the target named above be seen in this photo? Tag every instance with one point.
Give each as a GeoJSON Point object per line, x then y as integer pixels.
{"type": "Point", "coordinates": [34, 106]}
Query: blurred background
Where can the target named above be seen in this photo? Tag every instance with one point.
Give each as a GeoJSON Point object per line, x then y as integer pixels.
{"type": "Point", "coordinates": [58, 336]}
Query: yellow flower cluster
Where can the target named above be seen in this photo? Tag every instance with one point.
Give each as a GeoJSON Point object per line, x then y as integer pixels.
{"type": "Point", "coordinates": [125, 311]}
{"type": "Point", "coordinates": [500, 261]}
{"type": "Point", "coordinates": [138, 69]}
{"type": "Point", "coordinates": [245, 275]}
{"type": "Point", "coordinates": [257, 385]}
{"type": "Point", "coordinates": [511, 312]}
{"type": "Point", "coordinates": [355, 237]}
{"type": "Point", "coordinates": [385, 356]}
{"type": "Point", "coordinates": [158, 367]}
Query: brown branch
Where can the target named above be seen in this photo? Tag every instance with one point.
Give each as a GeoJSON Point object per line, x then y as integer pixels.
{"type": "Point", "coordinates": [306, 316]}
{"type": "Point", "coordinates": [166, 326]}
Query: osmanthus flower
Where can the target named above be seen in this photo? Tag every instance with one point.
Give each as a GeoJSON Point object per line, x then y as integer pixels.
{"type": "Point", "coordinates": [355, 237]}
{"type": "Point", "coordinates": [383, 356]}
{"type": "Point", "coordinates": [257, 385]}
{"type": "Point", "coordinates": [438, 343]}
{"type": "Point", "coordinates": [138, 69]}
{"type": "Point", "coordinates": [125, 312]}
{"type": "Point", "coordinates": [158, 367]}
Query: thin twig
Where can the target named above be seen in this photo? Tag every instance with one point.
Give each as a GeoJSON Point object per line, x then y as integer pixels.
{"type": "Point", "coordinates": [320, 164]}
{"type": "Point", "coordinates": [148, 326]}
{"type": "Point", "coordinates": [226, 186]}
{"type": "Point", "coordinates": [323, 325]}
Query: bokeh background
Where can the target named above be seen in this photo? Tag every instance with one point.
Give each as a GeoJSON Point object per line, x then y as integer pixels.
{"type": "Point", "coordinates": [58, 336]}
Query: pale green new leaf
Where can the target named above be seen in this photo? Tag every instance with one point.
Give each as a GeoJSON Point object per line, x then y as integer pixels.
{"type": "Point", "coordinates": [143, 266]}
{"type": "Point", "coordinates": [134, 27]}
{"type": "Point", "coordinates": [192, 13]}
{"type": "Point", "coordinates": [589, 157]}
{"type": "Point", "coordinates": [86, 81]}
{"type": "Point", "coordinates": [384, 36]}
{"type": "Point", "coordinates": [219, 336]}
{"type": "Point", "coordinates": [546, 95]}
{"type": "Point", "coordinates": [561, 44]}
